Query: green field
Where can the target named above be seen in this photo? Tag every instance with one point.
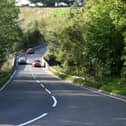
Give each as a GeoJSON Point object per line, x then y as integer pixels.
{"type": "Point", "coordinates": [29, 15]}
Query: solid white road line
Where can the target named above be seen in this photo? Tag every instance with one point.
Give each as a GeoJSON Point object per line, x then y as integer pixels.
{"type": "Point", "coordinates": [7, 81]}
{"type": "Point", "coordinates": [102, 93]}
{"type": "Point", "coordinates": [55, 101]}
{"type": "Point", "coordinates": [33, 120]}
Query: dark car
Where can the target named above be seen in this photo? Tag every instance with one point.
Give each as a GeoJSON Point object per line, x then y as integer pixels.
{"type": "Point", "coordinates": [30, 51]}
{"type": "Point", "coordinates": [22, 60]}
{"type": "Point", "coordinates": [36, 63]}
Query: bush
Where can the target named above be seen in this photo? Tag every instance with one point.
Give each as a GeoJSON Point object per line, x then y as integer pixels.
{"type": "Point", "coordinates": [51, 59]}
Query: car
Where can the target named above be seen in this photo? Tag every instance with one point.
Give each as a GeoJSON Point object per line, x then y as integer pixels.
{"type": "Point", "coordinates": [30, 51]}
{"type": "Point", "coordinates": [22, 60]}
{"type": "Point", "coordinates": [36, 63]}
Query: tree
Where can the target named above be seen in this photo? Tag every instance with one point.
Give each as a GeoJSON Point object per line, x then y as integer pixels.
{"type": "Point", "coordinates": [104, 42]}
{"type": "Point", "coordinates": [100, 28]}
{"type": "Point", "coordinates": [9, 29]}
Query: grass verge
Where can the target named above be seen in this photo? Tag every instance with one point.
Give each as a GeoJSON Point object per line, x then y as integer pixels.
{"type": "Point", "coordinates": [76, 80]}
{"type": "Point", "coordinates": [4, 77]}
{"type": "Point", "coordinates": [113, 85]}
{"type": "Point", "coordinates": [6, 70]}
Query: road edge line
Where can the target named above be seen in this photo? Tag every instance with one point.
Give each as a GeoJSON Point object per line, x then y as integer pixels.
{"type": "Point", "coordinates": [10, 79]}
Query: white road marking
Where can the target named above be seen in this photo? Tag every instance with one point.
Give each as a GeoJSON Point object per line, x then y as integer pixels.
{"type": "Point", "coordinates": [55, 101]}
{"type": "Point", "coordinates": [42, 86]}
{"type": "Point", "coordinates": [101, 93]}
{"type": "Point", "coordinates": [37, 81]}
{"type": "Point", "coordinates": [49, 92]}
{"type": "Point", "coordinates": [2, 88]}
{"type": "Point", "coordinates": [33, 120]}
{"type": "Point", "coordinates": [45, 114]}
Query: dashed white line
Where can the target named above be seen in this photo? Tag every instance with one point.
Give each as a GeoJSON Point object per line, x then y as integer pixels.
{"type": "Point", "coordinates": [37, 81]}
{"type": "Point", "coordinates": [53, 97]}
{"type": "Point", "coordinates": [42, 86]}
{"type": "Point", "coordinates": [49, 92]}
{"type": "Point", "coordinates": [55, 101]}
{"type": "Point", "coordinates": [45, 114]}
{"type": "Point", "coordinates": [33, 120]}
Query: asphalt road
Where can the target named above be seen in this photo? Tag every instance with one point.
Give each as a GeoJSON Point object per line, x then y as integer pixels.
{"type": "Point", "coordinates": [36, 98]}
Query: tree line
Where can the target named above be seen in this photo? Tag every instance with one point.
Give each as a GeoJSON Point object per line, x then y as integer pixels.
{"type": "Point", "coordinates": [12, 36]}
{"type": "Point", "coordinates": [9, 30]}
{"type": "Point", "coordinates": [52, 2]}
{"type": "Point", "coordinates": [92, 42]}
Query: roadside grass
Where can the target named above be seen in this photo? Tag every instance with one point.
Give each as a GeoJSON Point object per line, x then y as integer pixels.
{"type": "Point", "coordinates": [6, 70]}
{"type": "Point", "coordinates": [76, 80]}
{"type": "Point", "coordinates": [113, 85]}
{"type": "Point", "coordinates": [4, 77]}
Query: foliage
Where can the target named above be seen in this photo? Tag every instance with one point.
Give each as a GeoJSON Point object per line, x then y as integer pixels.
{"type": "Point", "coordinates": [4, 77]}
{"type": "Point", "coordinates": [91, 43]}
{"type": "Point", "coordinates": [6, 69]}
{"type": "Point", "coordinates": [105, 42]}
{"type": "Point", "coordinates": [51, 26]}
{"type": "Point", "coordinates": [10, 33]}
{"type": "Point", "coordinates": [32, 38]}
{"type": "Point", "coordinates": [114, 86]}
{"type": "Point", "coordinates": [52, 2]}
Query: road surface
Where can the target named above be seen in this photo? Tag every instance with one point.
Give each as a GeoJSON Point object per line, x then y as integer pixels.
{"type": "Point", "coordinates": [36, 98]}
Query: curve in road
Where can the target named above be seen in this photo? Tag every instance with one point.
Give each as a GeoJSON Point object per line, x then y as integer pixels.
{"type": "Point", "coordinates": [36, 98]}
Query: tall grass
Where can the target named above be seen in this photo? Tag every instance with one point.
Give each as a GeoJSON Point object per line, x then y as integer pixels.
{"type": "Point", "coordinates": [6, 70]}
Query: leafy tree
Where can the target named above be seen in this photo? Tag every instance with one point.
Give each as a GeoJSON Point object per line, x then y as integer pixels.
{"type": "Point", "coordinates": [92, 40]}
{"type": "Point", "coordinates": [101, 27]}
{"type": "Point", "coordinates": [105, 42]}
{"type": "Point", "coordinates": [9, 30]}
